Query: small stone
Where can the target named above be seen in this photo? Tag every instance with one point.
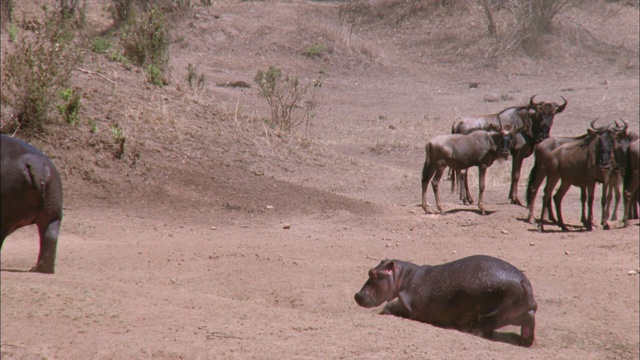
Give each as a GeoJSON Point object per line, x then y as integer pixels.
{"type": "Point", "coordinates": [453, 252]}
{"type": "Point", "coordinates": [504, 231]}
{"type": "Point", "coordinates": [567, 252]}
{"type": "Point", "coordinates": [631, 272]}
{"type": "Point", "coordinates": [286, 226]}
{"type": "Point", "coordinates": [269, 207]}
{"type": "Point", "coordinates": [213, 228]}
{"type": "Point", "coordinates": [532, 244]}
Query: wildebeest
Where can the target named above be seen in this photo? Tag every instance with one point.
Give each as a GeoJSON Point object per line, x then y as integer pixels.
{"type": "Point", "coordinates": [537, 119]}
{"type": "Point", "coordinates": [536, 177]}
{"type": "Point", "coordinates": [477, 294]}
{"type": "Point", "coordinates": [631, 181]}
{"type": "Point", "coordinates": [479, 148]}
{"type": "Point", "coordinates": [30, 193]}
{"type": "Point", "coordinates": [623, 139]}
{"type": "Point", "coordinates": [581, 163]}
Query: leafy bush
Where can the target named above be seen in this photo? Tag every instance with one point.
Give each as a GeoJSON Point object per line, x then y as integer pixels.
{"type": "Point", "coordinates": [146, 39]}
{"type": "Point", "coordinates": [315, 50]}
{"type": "Point", "coordinates": [154, 75]}
{"type": "Point", "coordinates": [38, 68]}
{"type": "Point", "coordinates": [101, 45]}
{"type": "Point", "coordinates": [284, 94]}
{"type": "Point", "coordinates": [119, 138]}
{"type": "Point", "coordinates": [194, 79]}
{"type": "Point", "coordinates": [70, 107]}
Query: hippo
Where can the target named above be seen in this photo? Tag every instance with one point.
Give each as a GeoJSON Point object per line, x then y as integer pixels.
{"type": "Point", "coordinates": [30, 193]}
{"type": "Point", "coordinates": [476, 294]}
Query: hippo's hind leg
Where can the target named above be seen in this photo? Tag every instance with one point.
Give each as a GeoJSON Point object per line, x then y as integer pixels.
{"type": "Point", "coordinates": [48, 246]}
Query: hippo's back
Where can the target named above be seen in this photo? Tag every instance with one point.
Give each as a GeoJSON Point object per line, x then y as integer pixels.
{"type": "Point", "coordinates": [30, 185]}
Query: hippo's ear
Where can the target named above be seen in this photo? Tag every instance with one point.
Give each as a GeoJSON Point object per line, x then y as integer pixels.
{"type": "Point", "coordinates": [388, 267]}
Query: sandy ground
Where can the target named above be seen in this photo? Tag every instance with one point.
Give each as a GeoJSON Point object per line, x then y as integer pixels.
{"type": "Point", "coordinates": [219, 245]}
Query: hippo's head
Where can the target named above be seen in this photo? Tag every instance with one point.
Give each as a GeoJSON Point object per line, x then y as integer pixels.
{"type": "Point", "coordinates": [380, 286]}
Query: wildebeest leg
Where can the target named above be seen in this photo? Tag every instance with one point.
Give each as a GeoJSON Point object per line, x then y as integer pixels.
{"type": "Point", "coordinates": [583, 201]}
{"type": "Point", "coordinates": [615, 187]}
{"type": "Point", "coordinates": [463, 183]}
{"type": "Point", "coordinates": [557, 199]}
{"type": "Point", "coordinates": [434, 184]}
{"type": "Point", "coordinates": [48, 243]}
{"type": "Point", "coordinates": [536, 176]}
{"type": "Point", "coordinates": [605, 201]}
{"type": "Point", "coordinates": [466, 188]}
{"type": "Point", "coordinates": [626, 212]}
{"type": "Point", "coordinates": [425, 186]}
{"type": "Point", "coordinates": [516, 165]}
{"type": "Point", "coordinates": [482, 171]}
{"type": "Point", "coordinates": [546, 199]}
{"type": "Point", "coordinates": [590, 197]}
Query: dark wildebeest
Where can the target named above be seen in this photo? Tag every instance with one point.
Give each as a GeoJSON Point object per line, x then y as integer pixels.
{"type": "Point", "coordinates": [477, 294]}
{"type": "Point", "coordinates": [30, 193]}
{"type": "Point", "coordinates": [479, 148]}
{"type": "Point", "coordinates": [623, 139]}
{"type": "Point", "coordinates": [631, 181]}
{"type": "Point", "coordinates": [537, 118]}
{"type": "Point", "coordinates": [581, 163]}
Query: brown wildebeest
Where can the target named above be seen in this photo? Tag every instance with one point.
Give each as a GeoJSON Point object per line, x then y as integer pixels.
{"type": "Point", "coordinates": [479, 148]}
{"type": "Point", "coordinates": [537, 176]}
{"type": "Point", "coordinates": [631, 181]}
{"type": "Point", "coordinates": [580, 164]}
{"type": "Point", "coordinates": [537, 118]}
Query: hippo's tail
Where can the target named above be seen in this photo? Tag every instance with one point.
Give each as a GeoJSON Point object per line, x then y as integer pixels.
{"type": "Point", "coordinates": [38, 177]}
{"type": "Point", "coordinates": [528, 292]}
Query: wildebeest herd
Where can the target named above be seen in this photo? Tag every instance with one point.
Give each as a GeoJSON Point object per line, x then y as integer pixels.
{"type": "Point", "coordinates": [604, 154]}
{"type": "Point", "coordinates": [477, 294]}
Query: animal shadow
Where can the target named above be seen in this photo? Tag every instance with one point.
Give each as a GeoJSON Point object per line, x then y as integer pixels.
{"type": "Point", "coordinates": [15, 270]}
{"type": "Point", "coordinates": [476, 211]}
{"type": "Point", "coordinates": [505, 337]}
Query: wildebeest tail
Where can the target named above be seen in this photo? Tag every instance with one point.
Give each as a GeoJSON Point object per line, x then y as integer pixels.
{"type": "Point", "coordinates": [426, 169]}
{"type": "Point", "coordinates": [532, 179]}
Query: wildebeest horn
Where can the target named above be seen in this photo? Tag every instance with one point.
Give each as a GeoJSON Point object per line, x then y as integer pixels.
{"type": "Point", "coordinates": [561, 107]}
{"type": "Point", "coordinates": [531, 102]}
{"type": "Point", "coordinates": [596, 128]}
{"type": "Point", "coordinates": [624, 126]}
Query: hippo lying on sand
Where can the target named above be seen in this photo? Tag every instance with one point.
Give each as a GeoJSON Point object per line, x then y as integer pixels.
{"type": "Point", "coordinates": [30, 193]}
{"type": "Point", "coordinates": [477, 294]}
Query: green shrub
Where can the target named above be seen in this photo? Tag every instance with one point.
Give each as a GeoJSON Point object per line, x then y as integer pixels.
{"type": "Point", "coordinates": [195, 80]}
{"type": "Point", "coordinates": [119, 139]}
{"type": "Point", "coordinates": [101, 45]}
{"type": "Point", "coordinates": [146, 39]}
{"type": "Point", "coordinates": [38, 68]}
{"type": "Point", "coordinates": [70, 107]}
{"type": "Point", "coordinates": [13, 32]}
{"type": "Point", "coordinates": [154, 75]}
{"type": "Point", "coordinates": [315, 50]}
{"type": "Point", "coordinates": [284, 94]}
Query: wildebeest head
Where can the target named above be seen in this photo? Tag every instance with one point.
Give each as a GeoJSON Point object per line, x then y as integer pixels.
{"type": "Point", "coordinates": [605, 138]}
{"type": "Point", "coordinates": [623, 139]}
{"type": "Point", "coordinates": [507, 138]}
{"type": "Point", "coordinates": [542, 114]}
{"type": "Point", "coordinates": [380, 286]}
